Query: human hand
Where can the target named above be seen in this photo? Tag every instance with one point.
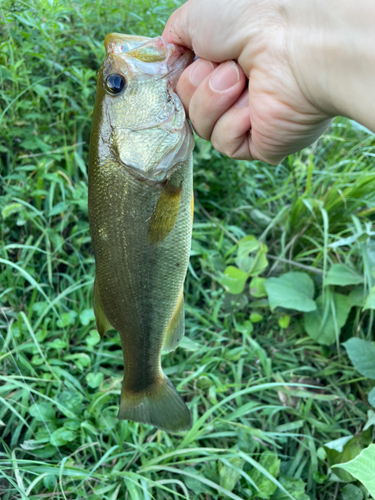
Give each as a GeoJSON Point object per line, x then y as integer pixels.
{"type": "Point", "coordinates": [258, 41]}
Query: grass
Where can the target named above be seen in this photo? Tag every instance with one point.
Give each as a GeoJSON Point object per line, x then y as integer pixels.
{"type": "Point", "coordinates": [265, 396]}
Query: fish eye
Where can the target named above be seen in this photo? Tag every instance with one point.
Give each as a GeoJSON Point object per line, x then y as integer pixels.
{"type": "Point", "coordinates": [115, 83]}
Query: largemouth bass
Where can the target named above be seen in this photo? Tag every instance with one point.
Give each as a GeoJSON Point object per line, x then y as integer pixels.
{"type": "Point", "coordinates": [140, 213]}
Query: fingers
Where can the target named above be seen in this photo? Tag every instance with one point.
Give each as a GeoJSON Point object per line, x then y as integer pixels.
{"type": "Point", "coordinates": [231, 134]}
{"type": "Point", "coordinates": [209, 28]}
{"type": "Point", "coordinates": [177, 28]}
{"type": "Point", "coordinates": [207, 92]}
{"type": "Point", "coordinates": [191, 78]}
{"type": "Point", "coordinates": [216, 100]}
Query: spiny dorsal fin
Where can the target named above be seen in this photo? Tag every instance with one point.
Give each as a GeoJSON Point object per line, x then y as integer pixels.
{"type": "Point", "coordinates": [102, 323]}
{"type": "Point", "coordinates": [176, 327]}
{"type": "Point", "coordinates": [165, 214]}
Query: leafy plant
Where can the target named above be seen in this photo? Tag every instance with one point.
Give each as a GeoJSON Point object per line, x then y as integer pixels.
{"type": "Point", "coordinates": [272, 246]}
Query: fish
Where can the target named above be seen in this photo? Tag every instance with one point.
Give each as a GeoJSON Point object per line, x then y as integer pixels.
{"type": "Point", "coordinates": [140, 201]}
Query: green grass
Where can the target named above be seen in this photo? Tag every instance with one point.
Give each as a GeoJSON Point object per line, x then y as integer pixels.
{"type": "Point", "coordinates": [264, 395]}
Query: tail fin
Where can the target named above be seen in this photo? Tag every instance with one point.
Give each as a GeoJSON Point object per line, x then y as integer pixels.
{"type": "Point", "coordinates": [160, 406]}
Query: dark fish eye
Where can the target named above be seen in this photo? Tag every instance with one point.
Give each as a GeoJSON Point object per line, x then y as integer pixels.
{"type": "Point", "coordinates": [115, 83]}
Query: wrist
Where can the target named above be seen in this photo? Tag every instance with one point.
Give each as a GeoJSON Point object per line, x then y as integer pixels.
{"type": "Point", "coordinates": [332, 55]}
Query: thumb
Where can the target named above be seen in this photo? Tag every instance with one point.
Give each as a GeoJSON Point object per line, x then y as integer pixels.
{"type": "Point", "coordinates": [177, 28]}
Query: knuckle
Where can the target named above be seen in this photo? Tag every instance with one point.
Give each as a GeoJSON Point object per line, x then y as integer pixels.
{"type": "Point", "coordinates": [224, 147]}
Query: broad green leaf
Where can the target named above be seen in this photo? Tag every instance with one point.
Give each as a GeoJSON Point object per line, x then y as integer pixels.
{"type": "Point", "coordinates": [260, 262]}
{"type": "Point", "coordinates": [46, 452]}
{"type": "Point", "coordinates": [296, 487]}
{"type": "Point", "coordinates": [229, 476]}
{"type": "Point", "coordinates": [357, 297]}
{"type": "Point", "coordinates": [257, 288]}
{"type": "Point", "coordinates": [234, 279]}
{"type": "Point", "coordinates": [246, 245]}
{"type": "Point", "coordinates": [370, 419]}
{"type": "Point", "coordinates": [270, 461]}
{"type": "Point", "coordinates": [371, 397]}
{"type": "Point", "coordinates": [245, 327]}
{"type": "Point", "coordinates": [260, 218]}
{"type": "Point", "coordinates": [291, 291]}
{"type": "Point", "coordinates": [72, 425]}
{"type": "Point", "coordinates": [58, 209]}
{"type": "Point", "coordinates": [65, 320]}
{"type": "Point", "coordinates": [362, 355]}
{"type": "Point", "coordinates": [338, 444]}
{"type": "Point", "coordinates": [194, 483]}
{"type": "Point", "coordinates": [57, 344]}
{"type": "Point", "coordinates": [35, 143]}
{"type": "Point", "coordinates": [81, 360]}
{"type": "Point", "coordinates": [94, 379]}
{"type": "Point", "coordinates": [284, 321]}
{"type": "Point", "coordinates": [255, 317]}
{"type": "Point", "coordinates": [39, 307]}
{"type": "Point", "coordinates": [362, 467]}
{"type": "Point", "coordinates": [331, 313]}
{"type": "Point", "coordinates": [43, 412]}
{"type": "Point", "coordinates": [343, 276]}
{"type": "Point", "coordinates": [72, 401]}
{"type": "Point", "coordinates": [370, 301]}
{"type": "Point", "coordinates": [340, 451]}
{"type": "Point", "coordinates": [87, 316]}
{"type": "Point", "coordinates": [62, 436]}
{"type": "Point", "coordinates": [92, 338]}
{"type": "Point", "coordinates": [49, 481]}
{"type": "Point", "coordinates": [251, 264]}
{"type": "Point", "coordinates": [351, 492]}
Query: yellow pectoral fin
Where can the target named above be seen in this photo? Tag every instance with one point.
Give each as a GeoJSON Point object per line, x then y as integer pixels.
{"type": "Point", "coordinates": [165, 214]}
{"type": "Point", "coordinates": [176, 327]}
{"type": "Point", "coordinates": [102, 323]}
{"type": "Point", "coordinates": [192, 207]}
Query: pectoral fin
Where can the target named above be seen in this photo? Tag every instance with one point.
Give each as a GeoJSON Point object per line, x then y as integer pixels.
{"type": "Point", "coordinates": [192, 207]}
{"type": "Point", "coordinates": [165, 214]}
{"type": "Point", "coordinates": [102, 323]}
{"type": "Point", "coordinates": [176, 327]}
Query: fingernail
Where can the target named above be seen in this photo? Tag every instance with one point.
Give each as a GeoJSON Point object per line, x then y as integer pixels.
{"type": "Point", "coordinates": [202, 68]}
{"type": "Point", "coordinates": [225, 77]}
{"type": "Point", "coordinates": [243, 101]}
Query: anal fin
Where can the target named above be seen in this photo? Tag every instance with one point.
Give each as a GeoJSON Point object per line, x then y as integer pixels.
{"type": "Point", "coordinates": [176, 327]}
{"type": "Point", "coordinates": [102, 323]}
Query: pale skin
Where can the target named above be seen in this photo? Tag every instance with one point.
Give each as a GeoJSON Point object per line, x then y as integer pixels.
{"type": "Point", "coordinates": [272, 74]}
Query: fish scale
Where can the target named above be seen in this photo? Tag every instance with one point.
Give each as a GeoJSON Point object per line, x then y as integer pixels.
{"type": "Point", "coordinates": [140, 214]}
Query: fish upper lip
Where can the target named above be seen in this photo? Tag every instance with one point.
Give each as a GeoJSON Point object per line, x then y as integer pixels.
{"type": "Point", "coordinates": [174, 58]}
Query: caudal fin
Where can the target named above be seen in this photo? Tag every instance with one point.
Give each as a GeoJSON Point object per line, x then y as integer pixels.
{"type": "Point", "coordinates": [160, 406]}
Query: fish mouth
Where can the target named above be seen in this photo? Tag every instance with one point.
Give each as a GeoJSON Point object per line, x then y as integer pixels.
{"type": "Point", "coordinates": [150, 57]}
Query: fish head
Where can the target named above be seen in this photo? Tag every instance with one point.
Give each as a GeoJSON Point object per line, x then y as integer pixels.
{"type": "Point", "coordinates": [142, 120]}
